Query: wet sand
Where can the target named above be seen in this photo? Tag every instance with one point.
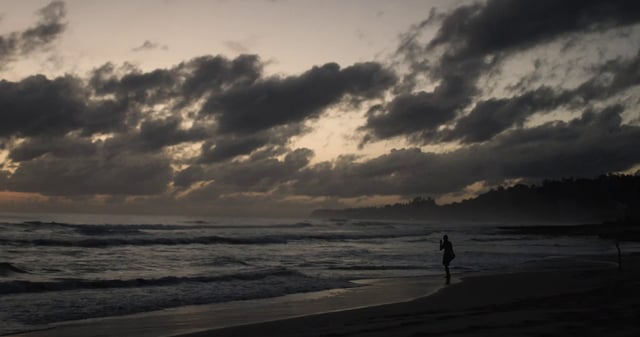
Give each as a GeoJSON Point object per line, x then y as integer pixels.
{"type": "Point", "coordinates": [182, 320]}
{"type": "Point", "coordinates": [578, 302]}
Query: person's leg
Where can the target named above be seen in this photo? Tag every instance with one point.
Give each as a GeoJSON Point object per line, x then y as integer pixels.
{"type": "Point", "coordinates": [446, 268]}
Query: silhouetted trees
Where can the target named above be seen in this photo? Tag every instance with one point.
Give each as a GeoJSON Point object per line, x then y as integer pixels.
{"type": "Point", "coordinates": [605, 198]}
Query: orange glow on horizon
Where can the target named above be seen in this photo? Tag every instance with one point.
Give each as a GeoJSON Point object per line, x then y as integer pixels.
{"type": "Point", "coordinates": [21, 196]}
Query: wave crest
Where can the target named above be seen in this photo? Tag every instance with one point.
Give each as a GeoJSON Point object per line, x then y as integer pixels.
{"type": "Point", "coordinates": [19, 286]}
{"type": "Point", "coordinates": [7, 269]}
{"type": "Point", "coordinates": [205, 240]}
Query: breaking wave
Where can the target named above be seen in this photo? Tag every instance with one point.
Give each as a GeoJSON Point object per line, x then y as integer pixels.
{"type": "Point", "coordinates": [7, 269]}
{"type": "Point", "coordinates": [378, 267]}
{"type": "Point", "coordinates": [20, 286]}
{"type": "Point", "coordinates": [205, 240]}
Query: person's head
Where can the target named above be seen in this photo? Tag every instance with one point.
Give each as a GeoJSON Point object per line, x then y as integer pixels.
{"type": "Point", "coordinates": [445, 238]}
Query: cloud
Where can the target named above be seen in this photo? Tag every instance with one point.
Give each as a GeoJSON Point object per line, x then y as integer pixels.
{"type": "Point", "coordinates": [612, 77]}
{"type": "Point", "coordinates": [155, 134]}
{"type": "Point", "coordinates": [228, 146]}
{"type": "Point", "coordinates": [223, 148]}
{"type": "Point", "coordinates": [131, 84]}
{"type": "Point", "coordinates": [470, 43]}
{"type": "Point", "coordinates": [122, 174]}
{"type": "Point", "coordinates": [213, 74]}
{"type": "Point", "coordinates": [256, 175]}
{"type": "Point", "coordinates": [421, 112]}
{"type": "Point", "coordinates": [213, 130]}
{"type": "Point", "coordinates": [501, 26]}
{"type": "Point", "coordinates": [587, 146]}
{"type": "Point", "coordinates": [595, 143]}
{"type": "Point", "coordinates": [37, 105]}
{"type": "Point", "coordinates": [52, 123]}
{"type": "Point", "coordinates": [149, 45]}
{"type": "Point", "coordinates": [61, 147]}
{"type": "Point", "coordinates": [241, 47]}
{"type": "Point", "coordinates": [188, 176]}
{"type": "Point", "coordinates": [42, 35]}
{"type": "Point", "coordinates": [182, 84]}
{"type": "Point", "coordinates": [493, 116]}
{"type": "Point", "coordinates": [4, 179]}
{"type": "Point", "coordinates": [277, 101]}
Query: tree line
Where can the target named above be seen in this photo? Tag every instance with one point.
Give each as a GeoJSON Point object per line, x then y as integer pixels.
{"type": "Point", "coordinates": [611, 197]}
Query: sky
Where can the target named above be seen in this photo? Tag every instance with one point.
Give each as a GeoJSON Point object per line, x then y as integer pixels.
{"type": "Point", "coordinates": [276, 108]}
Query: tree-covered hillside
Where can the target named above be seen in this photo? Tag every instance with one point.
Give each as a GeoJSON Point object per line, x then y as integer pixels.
{"type": "Point", "coordinates": [605, 198]}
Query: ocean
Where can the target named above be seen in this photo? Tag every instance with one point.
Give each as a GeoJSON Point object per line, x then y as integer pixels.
{"type": "Point", "coordinates": [61, 267]}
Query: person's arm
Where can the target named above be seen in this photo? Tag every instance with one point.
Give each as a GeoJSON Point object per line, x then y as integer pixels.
{"type": "Point", "coordinates": [441, 245]}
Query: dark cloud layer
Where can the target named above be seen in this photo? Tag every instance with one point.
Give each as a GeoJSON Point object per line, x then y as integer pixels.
{"type": "Point", "coordinates": [472, 41]}
{"type": "Point", "coordinates": [508, 25]}
{"type": "Point", "coordinates": [271, 141]}
{"type": "Point", "coordinates": [587, 146]}
{"type": "Point", "coordinates": [278, 101]}
{"type": "Point", "coordinates": [213, 74]}
{"type": "Point", "coordinates": [51, 125]}
{"type": "Point", "coordinates": [89, 175]}
{"type": "Point", "coordinates": [253, 114]}
{"type": "Point", "coordinates": [223, 148]}
{"type": "Point", "coordinates": [156, 134]}
{"type": "Point", "coordinates": [217, 132]}
{"type": "Point", "coordinates": [491, 117]}
{"type": "Point", "coordinates": [419, 113]}
{"type": "Point", "coordinates": [594, 143]}
{"type": "Point", "coordinates": [256, 175]}
{"type": "Point", "coordinates": [61, 147]}
{"type": "Point", "coordinates": [37, 105]}
{"type": "Point", "coordinates": [47, 29]}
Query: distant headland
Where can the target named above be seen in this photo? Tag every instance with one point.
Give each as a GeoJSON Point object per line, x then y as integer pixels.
{"type": "Point", "coordinates": [609, 197]}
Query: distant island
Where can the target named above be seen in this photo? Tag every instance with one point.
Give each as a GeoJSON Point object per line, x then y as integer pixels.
{"type": "Point", "coordinates": [612, 197]}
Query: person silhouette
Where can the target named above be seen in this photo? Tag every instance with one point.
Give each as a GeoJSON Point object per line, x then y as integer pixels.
{"type": "Point", "coordinates": [448, 255]}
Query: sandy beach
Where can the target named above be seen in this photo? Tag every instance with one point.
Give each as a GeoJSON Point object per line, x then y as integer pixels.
{"type": "Point", "coordinates": [578, 302]}
{"type": "Point", "coordinates": [587, 298]}
{"type": "Point", "coordinates": [194, 318]}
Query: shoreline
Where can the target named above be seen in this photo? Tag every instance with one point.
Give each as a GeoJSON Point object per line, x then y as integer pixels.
{"type": "Point", "coordinates": [579, 301]}
{"type": "Point", "coordinates": [423, 298]}
{"type": "Point", "coordinates": [196, 318]}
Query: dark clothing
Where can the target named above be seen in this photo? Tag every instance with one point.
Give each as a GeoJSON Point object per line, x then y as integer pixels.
{"type": "Point", "coordinates": [448, 252]}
